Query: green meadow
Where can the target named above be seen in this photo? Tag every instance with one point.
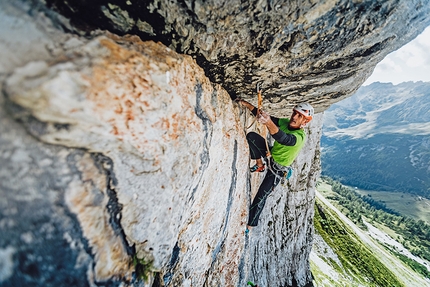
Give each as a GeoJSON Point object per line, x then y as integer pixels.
{"type": "Point", "coordinates": [406, 204]}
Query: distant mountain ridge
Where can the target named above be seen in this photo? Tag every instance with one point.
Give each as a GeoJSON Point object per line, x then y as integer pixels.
{"type": "Point", "coordinates": [381, 108]}
{"type": "Point", "coordinates": [379, 138]}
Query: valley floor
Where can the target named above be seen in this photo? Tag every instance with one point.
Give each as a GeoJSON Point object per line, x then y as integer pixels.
{"type": "Point", "coordinates": [407, 204]}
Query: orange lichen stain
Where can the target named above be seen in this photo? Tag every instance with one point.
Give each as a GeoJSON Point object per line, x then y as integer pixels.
{"type": "Point", "coordinates": [129, 103]}
{"type": "Point", "coordinates": [164, 124]}
{"type": "Point", "coordinates": [115, 130]}
{"type": "Point", "coordinates": [118, 109]}
{"type": "Point", "coordinates": [129, 116]}
{"type": "Point", "coordinates": [156, 162]}
{"type": "Point", "coordinates": [175, 125]}
{"type": "Point", "coordinates": [116, 52]}
{"type": "Point", "coordinates": [174, 136]}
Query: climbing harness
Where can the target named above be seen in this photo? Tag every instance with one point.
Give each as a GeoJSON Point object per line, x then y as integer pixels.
{"type": "Point", "coordinates": [287, 171]}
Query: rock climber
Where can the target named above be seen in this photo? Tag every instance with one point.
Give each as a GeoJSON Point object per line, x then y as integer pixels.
{"type": "Point", "coordinates": [289, 139]}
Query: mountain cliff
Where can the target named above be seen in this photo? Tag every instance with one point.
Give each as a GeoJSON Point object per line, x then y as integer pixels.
{"type": "Point", "coordinates": [123, 158]}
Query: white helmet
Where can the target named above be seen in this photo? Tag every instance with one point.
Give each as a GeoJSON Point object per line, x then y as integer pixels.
{"type": "Point", "coordinates": [305, 109]}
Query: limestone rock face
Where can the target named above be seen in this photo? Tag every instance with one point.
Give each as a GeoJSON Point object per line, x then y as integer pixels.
{"type": "Point", "coordinates": [125, 163]}
{"type": "Point", "coordinates": [161, 167]}
{"type": "Point", "coordinates": [318, 51]}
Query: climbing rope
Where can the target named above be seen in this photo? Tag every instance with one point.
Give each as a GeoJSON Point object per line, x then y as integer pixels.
{"type": "Point", "coordinates": [260, 105]}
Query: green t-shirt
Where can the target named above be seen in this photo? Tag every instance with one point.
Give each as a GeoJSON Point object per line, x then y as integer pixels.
{"type": "Point", "coordinates": [283, 154]}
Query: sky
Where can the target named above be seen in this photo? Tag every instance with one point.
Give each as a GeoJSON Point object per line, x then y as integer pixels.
{"type": "Point", "coordinates": [409, 63]}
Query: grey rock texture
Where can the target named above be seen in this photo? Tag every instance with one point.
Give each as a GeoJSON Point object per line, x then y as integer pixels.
{"type": "Point", "coordinates": [124, 162]}
{"type": "Point", "coordinates": [42, 242]}
{"type": "Point", "coordinates": [318, 51]}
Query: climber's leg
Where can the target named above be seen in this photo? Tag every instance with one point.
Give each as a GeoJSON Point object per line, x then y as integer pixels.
{"type": "Point", "coordinates": [259, 201]}
{"type": "Point", "coordinates": [257, 145]}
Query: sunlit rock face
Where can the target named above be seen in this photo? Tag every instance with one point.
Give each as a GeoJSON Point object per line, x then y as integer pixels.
{"type": "Point", "coordinates": [153, 165]}
{"type": "Point", "coordinates": [319, 51]}
{"type": "Point", "coordinates": [160, 173]}
{"type": "Point", "coordinates": [124, 162]}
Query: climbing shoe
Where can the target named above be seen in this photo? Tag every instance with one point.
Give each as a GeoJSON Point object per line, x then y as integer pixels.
{"type": "Point", "coordinates": [257, 168]}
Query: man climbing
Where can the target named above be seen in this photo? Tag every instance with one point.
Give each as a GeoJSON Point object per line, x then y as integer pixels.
{"type": "Point", "coordinates": [289, 139]}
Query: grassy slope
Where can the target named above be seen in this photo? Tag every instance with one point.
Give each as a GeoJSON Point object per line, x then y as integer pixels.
{"type": "Point", "coordinates": [358, 262]}
{"type": "Point", "coordinates": [361, 263]}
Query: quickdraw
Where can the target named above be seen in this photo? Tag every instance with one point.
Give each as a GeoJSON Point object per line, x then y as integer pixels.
{"type": "Point", "coordinates": [260, 105]}
{"type": "Point", "coordinates": [260, 100]}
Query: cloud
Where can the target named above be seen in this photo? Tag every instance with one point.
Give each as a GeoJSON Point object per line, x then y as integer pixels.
{"type": "Point", "coordinates": [387, 65]}
{"type": "Point", "coordinates": [409, 63]}
{"type": "Point", "coordinates": [417, 52]}
{"type": "Point", "coordinates": [423, 41]}
{"type": "Point", "coordinates": [424, 38]}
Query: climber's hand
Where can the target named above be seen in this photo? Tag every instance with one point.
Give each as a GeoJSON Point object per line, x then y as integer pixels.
{"type": "Point", "coordinates": [244, 103]}
{"type": "Point", "coordinates": [264, 118]}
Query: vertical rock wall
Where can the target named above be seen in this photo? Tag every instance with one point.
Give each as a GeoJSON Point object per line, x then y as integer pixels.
{"type": "Point", "coordinates": [123, 164]}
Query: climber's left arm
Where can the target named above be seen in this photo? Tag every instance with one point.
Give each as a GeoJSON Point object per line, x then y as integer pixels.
{"type": "Point", "coordinates": [285, 139]}
{"type": "Point", "coordinates": [280, 136]}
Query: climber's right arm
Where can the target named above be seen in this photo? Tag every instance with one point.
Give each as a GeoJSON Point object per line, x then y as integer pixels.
{"type": "Point", "coordinates": [253, 110]}
{"type": "Point", "coordinates": [248, 105]}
